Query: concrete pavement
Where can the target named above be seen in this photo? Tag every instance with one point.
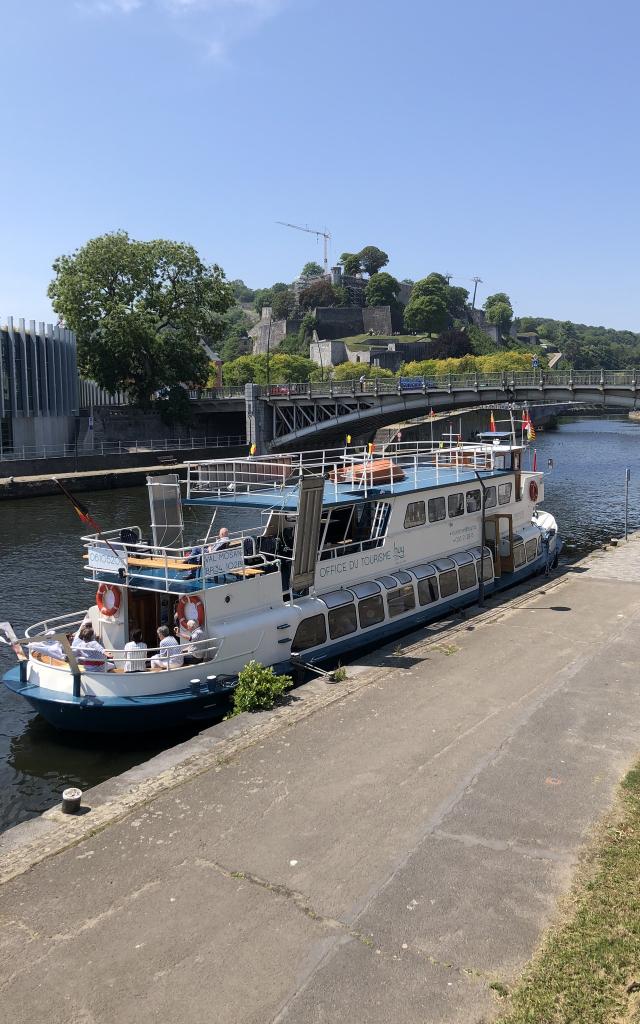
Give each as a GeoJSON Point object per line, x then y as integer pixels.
{"type": "Point", "coordinates": [379, 850]}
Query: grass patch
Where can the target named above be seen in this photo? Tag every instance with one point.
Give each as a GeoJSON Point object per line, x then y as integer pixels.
{"type": "Point", "coordinates": [588, 969]}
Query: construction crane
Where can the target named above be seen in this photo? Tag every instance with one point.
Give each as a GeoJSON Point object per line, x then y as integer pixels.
{"type": "Point", "coordinates": [311, 231]}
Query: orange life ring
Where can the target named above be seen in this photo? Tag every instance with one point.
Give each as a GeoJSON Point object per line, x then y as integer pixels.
{"type": "Point", "coordinates": [533, 490]}
{"type": "Point", "coordinates": [195, 609]}
{"type": "Point", "coordinates": [108, 599]}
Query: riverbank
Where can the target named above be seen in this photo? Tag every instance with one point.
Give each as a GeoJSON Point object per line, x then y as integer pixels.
{"type": "Point", "coordinates": [386, 848]}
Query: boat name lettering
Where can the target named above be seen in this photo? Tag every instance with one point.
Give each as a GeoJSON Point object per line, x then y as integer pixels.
{"type": "Point", "coordinates": [351, 564]}
{"type": "Point", "coordinates": [463, 534]}
{"type": "Point", "coordinates": [104, 558]}
{"type": "Point", "coordinates": [217, 563]}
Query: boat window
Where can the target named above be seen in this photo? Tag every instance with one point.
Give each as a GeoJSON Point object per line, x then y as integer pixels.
{"type": "Point", "coordinates": [488, 568]}
{"type": "Point", "coordinates": [370, 611]}
{"type": "Point", "coordinates": [402, 576]}
{"type": "Point", "coordinates": [336, 598]}
{"type": "Point", "coordinates": [532, 549]}
{"type": "Point", "coordinates": [490, 497]}
{"type": "Point", "coordinates": [388, 582]}
{"type": "Point", "coordinates": [362, 590]}
{"type": "Point", "coordinates": [456, 504]}
{"type": "Point", "coordinates": [428, 590]}
{"type": "Point", "coordinates": [467, 576]}
{"type": "Point", "coordinates": [401, 600]}
{"type": "Point", "coordinates": [421, 571]}
{"type": "Point", "coordinates": [473, 501]}
{"type": "Point", "coordinates": [518, 555]}
{"type": "Point", "coordinates": [504, 494]}
{"type": "Point", "coordinates": [437, 510]}
{"type": "Point", "coordinates": [311, 632]}
{"type": "Point", "coordinates": [448, 583]}
{"type": "Point", "coordinates": [415, 515]}
{"type": "Point", "coordinates": [342, 621]}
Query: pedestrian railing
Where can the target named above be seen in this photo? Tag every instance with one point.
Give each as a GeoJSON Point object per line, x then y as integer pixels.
{"type": "Point", "coordinates": [20, 453]}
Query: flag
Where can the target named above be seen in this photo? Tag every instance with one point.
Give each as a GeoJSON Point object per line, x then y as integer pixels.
{"type": "Point", "coordinates": [531, 431]}
{"type": "Point", "coordinates": [81, 510]}
{"type": "Point", "coordinates": [252, 449]}
{"type": "Point", "coordinates": [348, 439]}
{"type": "Point", "coordinates": [492, 423]}
{"type": "Point", "coordinates": [371, 447]}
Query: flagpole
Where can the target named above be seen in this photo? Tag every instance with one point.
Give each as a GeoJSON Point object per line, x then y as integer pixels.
{"type": "Point", "coordinates": [86, 516]}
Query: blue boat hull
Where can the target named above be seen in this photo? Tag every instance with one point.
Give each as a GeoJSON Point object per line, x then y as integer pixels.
{"type": "Point", "coordinates": [122, 714]}
{"type": "Point", "coordinates": [206, 702]}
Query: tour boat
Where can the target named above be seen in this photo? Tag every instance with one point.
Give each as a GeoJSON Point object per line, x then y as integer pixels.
{"type": "Point", "coordinates": [355, 547]}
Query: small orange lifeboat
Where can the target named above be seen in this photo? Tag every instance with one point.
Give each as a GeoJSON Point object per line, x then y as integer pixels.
{"type": "Point", "coordinates": [378, 471]}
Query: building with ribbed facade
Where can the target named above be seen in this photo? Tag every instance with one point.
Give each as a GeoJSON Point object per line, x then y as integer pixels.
{"type": "Point", "coordinates": [39, 399]}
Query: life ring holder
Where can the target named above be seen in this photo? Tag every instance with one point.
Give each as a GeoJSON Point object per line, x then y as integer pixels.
{"type": "Point", "coordinates": [533, 490]}
{"type": "Point", "coordinates": [108, 599]}
{"type": "Point", "coordinates": [195, 603]}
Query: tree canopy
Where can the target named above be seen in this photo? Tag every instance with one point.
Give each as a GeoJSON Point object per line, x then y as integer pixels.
{"type": "Point", "coordinates": [139, 310]}
{"type": "Point", "coordinates": [350, 263]}
{"type": "Point", "coordinates": [372, 259]}
{"type": "Point", "coordinates": [312, 269]}
{"type": "Point", "coordinates": [319, 293]}
{"type": "Point", "coordinates": [382, 290]}
{"type": "Point", "coordinates": [426, 313]}
{"type": "Point", "coordinates": [283, 369]}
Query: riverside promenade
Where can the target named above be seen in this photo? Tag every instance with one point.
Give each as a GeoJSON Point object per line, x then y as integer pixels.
{"type": "Point", "coordinates": [377, 851]}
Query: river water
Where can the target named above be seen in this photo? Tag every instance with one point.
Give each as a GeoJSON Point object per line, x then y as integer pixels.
{"type": "Point", "coordinates": [41, 576]}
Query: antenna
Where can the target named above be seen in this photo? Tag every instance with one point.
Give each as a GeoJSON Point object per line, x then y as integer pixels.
{"type": "Point", "coordinates": [476, 282]}
{"type": "Point", "coordinates": [312, 231]}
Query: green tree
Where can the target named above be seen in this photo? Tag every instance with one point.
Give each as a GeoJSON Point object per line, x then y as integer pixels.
{"type": "Point", "coordinates": [319, 293]}
{"type": "Point", "coordinates": [139, 310]}
{"type": "Point", "coordinates": [457, 302]}
{"type": "Point", "coordinates": [493, 300]}
{"type": "Point", "coordinates": [426, 313]}
{"type": "Point", "coordinates": [372, 259]}
{"type": "Point", "coordinates": [283, 369]}
{"type": "Point", "coordinates": [241, 291]}
{"type": "Point", "coordinates": [353, 371]}
{"type": "Point", "coordinates": [283, 304]}
{"type": "Point", "coordinates": [382, 290]}
{"type": "Point", "coordinates": [311, 270]}
{"type": "Point", "coordinates": [350, 263]}
{"type": "Point", "coordinates": [235, 341]}
{"type": "Point", "coordinates": [500, 314]}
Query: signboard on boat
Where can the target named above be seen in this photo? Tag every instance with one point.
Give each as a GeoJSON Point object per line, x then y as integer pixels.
{"type": "Point", "coordinates": [106, 559]}
{"type": "Point", "coordinates": [217, 563]}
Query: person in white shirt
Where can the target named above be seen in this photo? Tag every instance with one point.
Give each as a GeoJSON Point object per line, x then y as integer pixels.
{"type": "Point", "coordinates": [170, 653]}
{"type": "Point", "coordinates": [90, 652]}
{"type": "Point", "coordinates": [194, 652]}
{"type": "Point", "coordinates": [223, 540]}
{"type": "Point", "coordinates": [135, 653]}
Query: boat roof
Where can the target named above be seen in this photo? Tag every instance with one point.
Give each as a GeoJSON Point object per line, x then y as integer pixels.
{"type": "Point", "coordinates": [417, 480]}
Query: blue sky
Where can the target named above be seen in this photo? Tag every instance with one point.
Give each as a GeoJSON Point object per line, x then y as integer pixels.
{"type": "Point", "coordinates": [496, 138]}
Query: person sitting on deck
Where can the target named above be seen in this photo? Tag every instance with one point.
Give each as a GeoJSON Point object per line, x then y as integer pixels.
{"type": "Point", "coordinates": [169, 655]}
{"type": "Point", "coordinates": [223, 540]}
{"type": "Point", "coordinates": [90, 652]}
{"type": "Point", "coordinates": [193, 655]}
{"type": "Point", "coordinates": [136, 653]}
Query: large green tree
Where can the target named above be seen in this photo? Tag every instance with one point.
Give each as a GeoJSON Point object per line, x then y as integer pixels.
{"type": "Point", "coordinates": [350, 263]}
{"type": "Point", "coordinates": [283, 369]}
{"type": "Point", "coordinates": [139, 310]}
{"type": "Point", "coordinates": [499, 311]}
{"type": "Point", "coordinates": [372, 259]}
{"type": "Point", "coordinates": [426, 313]}
{"type": "Point", "coordinates": [382, 290]}
{"type": "Point", "coordinates": [283, 305]}
{"type": "Point", "coordinates": [311, 270]}
{"type": "Point", "coordinates": [319, 293]}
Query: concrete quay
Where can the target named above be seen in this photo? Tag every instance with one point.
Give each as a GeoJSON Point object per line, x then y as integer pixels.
{"type": "Point", "coordinates": [379, 850]}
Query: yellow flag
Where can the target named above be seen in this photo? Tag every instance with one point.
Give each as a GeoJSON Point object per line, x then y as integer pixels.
{"type": "Point", "coordinates": [252, 449]}
{"type": "Point", "coordinates": [348, 438]}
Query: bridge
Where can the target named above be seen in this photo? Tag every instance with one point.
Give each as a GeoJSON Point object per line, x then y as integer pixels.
{"type": "Point", "coordinates": [288, 416]}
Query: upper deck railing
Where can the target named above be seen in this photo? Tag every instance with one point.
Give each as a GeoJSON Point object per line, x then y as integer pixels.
{"type": "Point", "coordinates": [358, 467]}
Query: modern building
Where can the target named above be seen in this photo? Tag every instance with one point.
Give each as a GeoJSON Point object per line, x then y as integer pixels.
{"type": "Point", "coordinates": [38, 385]}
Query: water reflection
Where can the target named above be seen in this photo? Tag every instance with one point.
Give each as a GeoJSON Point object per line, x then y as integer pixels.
{"type": "Point", "coordinates": [40, 575]}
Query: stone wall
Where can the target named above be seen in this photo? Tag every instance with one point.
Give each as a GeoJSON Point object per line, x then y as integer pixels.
{"type": "Point", "coordinates": [338, 321]}
{"type": "Point", "coordinates": [377, 319]}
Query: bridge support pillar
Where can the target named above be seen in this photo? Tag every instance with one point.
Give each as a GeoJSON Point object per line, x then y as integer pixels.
{"type": "Point", "coordinates": [259, 419]}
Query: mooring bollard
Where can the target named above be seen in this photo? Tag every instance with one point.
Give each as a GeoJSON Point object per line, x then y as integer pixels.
{"type": "Point", "coordinates": [71, 800]}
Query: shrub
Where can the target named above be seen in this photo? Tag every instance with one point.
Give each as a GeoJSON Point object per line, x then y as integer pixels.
{"type": "Point", "coordinates": [258, 688]}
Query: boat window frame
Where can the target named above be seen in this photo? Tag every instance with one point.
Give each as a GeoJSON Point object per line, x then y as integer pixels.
{"type": "Point", "coordinates": [405, 590]}
{"type": "Point", "coordinates": [478, 492]}
{"type": "Point", "coordinates": [377, 600]}
{"type": "Point", "coordinates": [508, 485]}
{"type": "Point", "coordinates": [451, 497]}
{"type": "Point", "coordinates": [448, 574]}
{"type": "Point", "coordinates": [418, 522]}
{"type": "Point", "coordinates": [304, 622]}
{"type": "Point", "coordinates": [341, 609]}
{"type": "Point", "coordinates": [463, 570]}
{"type": "Point", "coordinates": [431, 583]}
{"type": "Point", "coordinates": [527, 545]}
{"type": "Point", "coordinates": [490, 496]}
{"type": "Point", "coordinates": [433, 503]}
